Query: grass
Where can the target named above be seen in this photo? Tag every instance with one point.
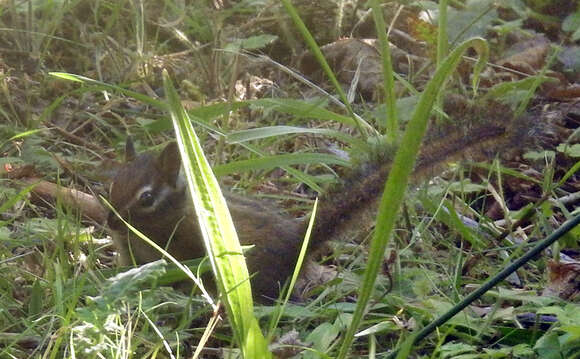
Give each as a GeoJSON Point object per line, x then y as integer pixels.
{"type": "Point", "coordinates": [61, 295]}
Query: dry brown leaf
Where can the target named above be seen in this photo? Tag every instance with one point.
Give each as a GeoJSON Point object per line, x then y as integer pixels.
{"type": "Point", "coordinates": [530, 56]}
{"type": "Point", "coordinates": [564, 280]}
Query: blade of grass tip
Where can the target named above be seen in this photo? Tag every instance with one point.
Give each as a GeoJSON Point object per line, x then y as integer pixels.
{"type": "Point", "coordinates": [391, 124]}
{"type": "Point", "coordinates": [442, 39]}
{"type": "Point", "coordinates": [537, 82]}
{"type": "Point", "coordinates": [571, 171]}
{"type": "Point", "coordinates": [398, 178]}
{"type": "Point", "coordinates": [218, 232]}
{"type": "Point", "coordinates": [297, 269]}
{"type": "Point", "coordinates": [23, 134]}
{"type": "Point", "coordinates": [442, 45]}
{"type": "Point", "coordinates": [99, 84]}
{"type": "Point", "coordinates": [322, 61]}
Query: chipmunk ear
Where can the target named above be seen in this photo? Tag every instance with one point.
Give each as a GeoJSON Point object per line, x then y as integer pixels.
{"type": "Point", "coordinates": [107, 170]}
{"type": "Point", "coordinates": [130, 153]}
{"type": "Point", "coordinates": [169, 162]}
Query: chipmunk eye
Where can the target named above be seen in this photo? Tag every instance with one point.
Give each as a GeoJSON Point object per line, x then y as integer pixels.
{"type": "Point", "coordinates": [146, 199]}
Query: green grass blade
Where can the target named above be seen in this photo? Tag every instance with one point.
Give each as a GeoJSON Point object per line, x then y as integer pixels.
{"type": "Point", "coordinates": [13, 200]}
{"type": "Point", "coordinates": [391, 124]}
{"type": "Point", "coordinates": [573, 170]}
{"type": "Point", "coordinates": [322, 61]}
{"type": "Point", "coordinates": [280, 310]}
{"type": "Point", "coordinates": [23, 134]}
{"type": "Point", "coordinates": [442, 38]}
{"type": "Point", "coordinates": [219, 234]}
{"type": "Point", "coordinates": [203, 115]}
{"type": "Point", "coordinates": [442, 44]}
{"type": "Point", "coordinates": [308, 109]}
{"type": "Point", "coordinates": [270, 162]}
{"type": "Point", "coordinates": [271, 131]}
{"type": "Point", "coordinates": [398, 178]}
{"type": "Point", "coordinates": [538, 80]}
{"type": "Point", "coordinates": [105, 86]}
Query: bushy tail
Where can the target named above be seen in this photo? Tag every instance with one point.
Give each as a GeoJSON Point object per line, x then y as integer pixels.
{"type": "Point", "coordinates": [482, 133]}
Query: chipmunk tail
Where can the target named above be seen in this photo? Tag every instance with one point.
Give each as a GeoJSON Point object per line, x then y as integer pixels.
{"type": "Point", "coordinates": [474, 132]}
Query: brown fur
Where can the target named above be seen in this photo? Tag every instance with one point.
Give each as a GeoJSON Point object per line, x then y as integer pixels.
{"type": "Point", "coordinates": [347, 208]}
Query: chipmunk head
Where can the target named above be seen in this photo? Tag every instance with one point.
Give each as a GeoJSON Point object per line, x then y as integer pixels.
{"type": "Point", "coordinates": [146, 187]}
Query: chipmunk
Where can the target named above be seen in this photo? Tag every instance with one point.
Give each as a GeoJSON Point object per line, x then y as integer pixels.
{"type": "Point", "coordinates": [147, 191]}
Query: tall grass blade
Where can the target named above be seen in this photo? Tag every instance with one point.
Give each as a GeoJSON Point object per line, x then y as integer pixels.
{"type": "Point", "coordinates": [391, 124]}
{"type": "Point", "coordinates": [322, 61]}
{"type": "Point", "coordinates": [280, 310]}
{"type": "Point", "coordinates": [105, 86]}
{"type": "Point", "coordinates": [219, 234]}
{"type": "Point", "coordinates": [398, 178]}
